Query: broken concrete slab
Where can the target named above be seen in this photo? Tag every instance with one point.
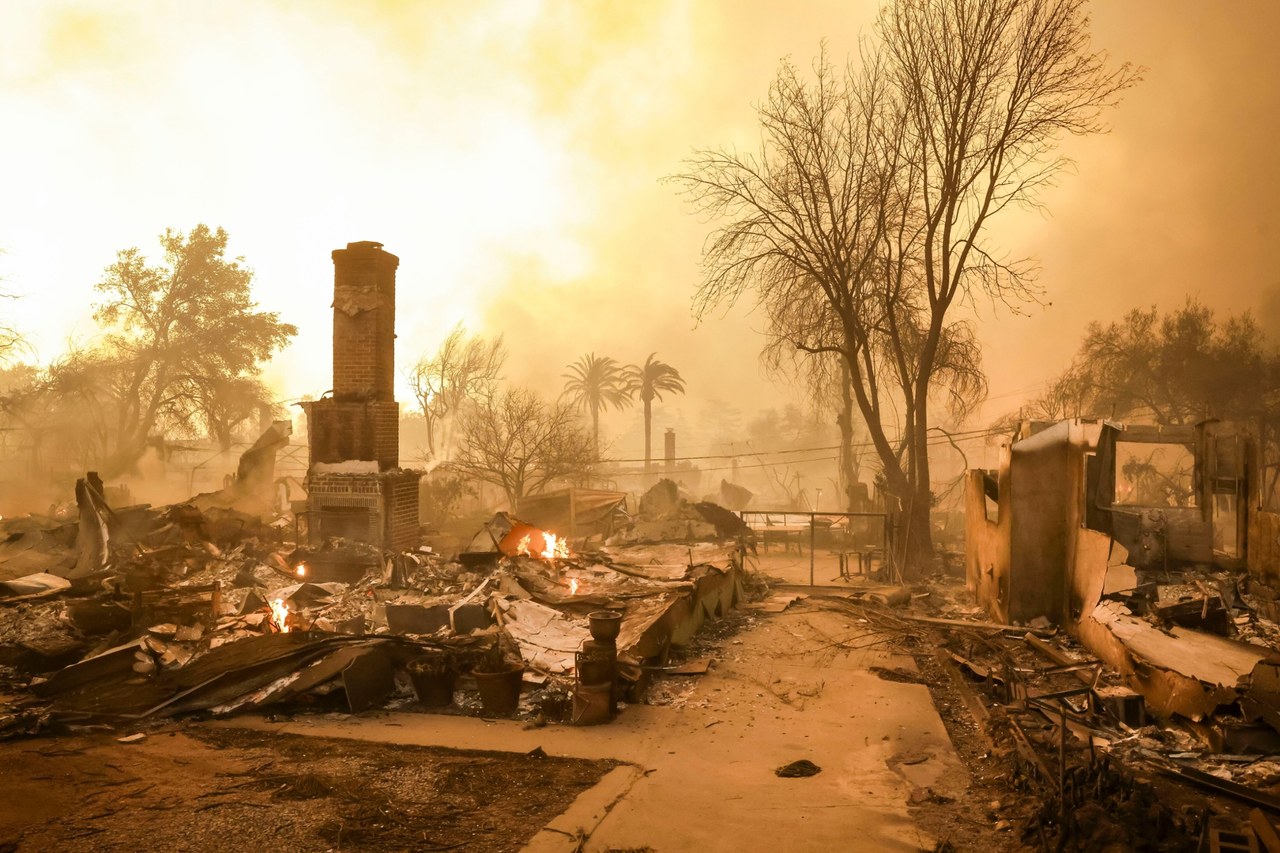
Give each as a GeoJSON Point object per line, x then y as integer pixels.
{"type": "Point", "coordinates": [466, 618]}
{"type": "Point", "coordinates": [1180, 671]}
{"type": "Point", "coordinates": [416, 618]}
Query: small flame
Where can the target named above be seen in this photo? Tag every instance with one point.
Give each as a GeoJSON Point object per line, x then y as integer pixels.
{"type": "Point", "coordinates": [553, 547]}
{"type": "Point", "coordinates": [573, 586]}
{"type": "Point", "coordinates": [280, 615]}
{"type": "Point", "coordinates": [300, 570]}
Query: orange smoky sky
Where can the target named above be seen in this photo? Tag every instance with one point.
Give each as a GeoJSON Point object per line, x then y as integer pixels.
{"type": "Point", "coordinates": [510, 154]}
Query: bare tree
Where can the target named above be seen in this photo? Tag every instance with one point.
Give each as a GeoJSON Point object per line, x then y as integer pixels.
{"type": "Point", "coordinates": [520, 443]}
{"type": "Point", "coordinates": [830, 387]}
{"type": "Point", "coordinates": [464, 368]}
{"type": "Point", "coordinates": [860, 223]}
{"type": "Point", "coordinates": [66, 411]}
{"type": "Point", "coordinates": [11, 341]}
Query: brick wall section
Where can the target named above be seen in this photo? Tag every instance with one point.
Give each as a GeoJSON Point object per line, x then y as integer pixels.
{"type": "Point", "coordinates": [385, 439]}
{"type": "Point", "coordinates": [401, 495]}
{"type": "Point", "coordinates": [391, 500]}
{"type": "Point", "coordinates": [340, 430]}
{"type": "Point", "coordinates": [326, 492]}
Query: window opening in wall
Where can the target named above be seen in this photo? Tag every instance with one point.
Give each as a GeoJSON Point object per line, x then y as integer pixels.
{"type": "Point", "coordinates": [1269, 468]}
{"type": "Point", "coordinates": [1226, 521]}
{"type": "Point", "coordinates": [991, 493]}
{"type": "Point", "coordinates": [1155, 474]}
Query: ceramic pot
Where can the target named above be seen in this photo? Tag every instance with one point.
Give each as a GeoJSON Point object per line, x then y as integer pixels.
{"type": "Point", "coordinates": [433, 680]}
{"type": "Point", "coordinates": [605, 625]}
{"type": "Point", "coordinates": [500, 691]}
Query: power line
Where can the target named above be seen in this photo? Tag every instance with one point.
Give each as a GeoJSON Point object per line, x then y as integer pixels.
{"type": "Point", "coordinates": [968, 435]}
{"type": "Point", "coordinates": [1035, 386]}
{"type": "Point", "coordinates": [765, 465]}
{"type": "Point", "coordinates": [740, 455]}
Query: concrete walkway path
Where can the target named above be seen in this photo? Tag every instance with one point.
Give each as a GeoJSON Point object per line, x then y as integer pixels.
{"type": "Point", "coordinates": [794, 685]}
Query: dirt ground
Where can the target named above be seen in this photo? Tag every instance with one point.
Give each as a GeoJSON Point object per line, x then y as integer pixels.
{"type": "Point", "coordinates": [207, 789]}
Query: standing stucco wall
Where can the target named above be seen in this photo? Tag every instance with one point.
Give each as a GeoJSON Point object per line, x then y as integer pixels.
{"type": "Point", "coordinates": [987, 543]}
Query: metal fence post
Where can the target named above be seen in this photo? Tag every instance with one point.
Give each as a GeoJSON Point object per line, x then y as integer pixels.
{"type": "Point", "coordinates": [813, 527]}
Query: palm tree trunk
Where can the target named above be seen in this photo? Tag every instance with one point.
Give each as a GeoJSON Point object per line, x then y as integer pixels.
{"type": "Point", "coordinates": [595, 430]}
{"type": "Point", "coordinates": [648, 428]}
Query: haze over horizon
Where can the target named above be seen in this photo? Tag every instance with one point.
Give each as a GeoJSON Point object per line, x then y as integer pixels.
{"type": "Point", "coordinates": [510, 154]}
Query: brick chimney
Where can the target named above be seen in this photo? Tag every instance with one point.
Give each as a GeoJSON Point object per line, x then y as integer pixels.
{"type": "Point", "coordinates": [360, 422]}
{"type": "Point", "coordinates": [364, 322]}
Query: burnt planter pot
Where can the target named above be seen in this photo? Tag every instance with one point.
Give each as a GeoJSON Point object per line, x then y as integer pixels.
{"type": "Point", "coordinates": [500, 691]}
{"type": "Point", "coordinates": [434, 677]}
{"type": "Point", "coordinates": [605, 625]}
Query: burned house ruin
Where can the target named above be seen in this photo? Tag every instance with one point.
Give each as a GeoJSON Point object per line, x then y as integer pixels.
{"type": "Point", "coordinates": [355, 486]}
{"type": "Point", "coordinates": [1139, 541]}
{"type": "Point", "coordinates": [1146, 497]}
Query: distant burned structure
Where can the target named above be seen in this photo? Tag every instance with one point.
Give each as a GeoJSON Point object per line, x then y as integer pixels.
{"type": "Point", "coordinates": [355, 487]}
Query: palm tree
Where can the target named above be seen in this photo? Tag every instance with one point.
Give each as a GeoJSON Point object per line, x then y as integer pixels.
{"type": "Point", "coordinates": [650, 380]}
{"type": "Point", "coordinates": [595, 383]}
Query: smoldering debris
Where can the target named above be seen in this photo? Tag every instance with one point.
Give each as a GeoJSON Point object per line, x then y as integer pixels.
{"type": "Point", "coordinates": [217, 611]}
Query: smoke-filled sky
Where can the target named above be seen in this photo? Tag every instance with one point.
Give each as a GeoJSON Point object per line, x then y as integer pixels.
{"type": "Point", "coordinates": [510, 154]}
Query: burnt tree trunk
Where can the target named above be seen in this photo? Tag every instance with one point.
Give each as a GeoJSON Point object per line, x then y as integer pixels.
{"type": "Point", "coordinates": [848, 462]}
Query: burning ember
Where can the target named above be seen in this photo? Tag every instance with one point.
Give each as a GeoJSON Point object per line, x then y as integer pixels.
{"type": "Point", "coordinates": [280, 615]}
{"type": "Point", "coordinates": [553, 547]}
{"type": "Point", "coordinates": [573, 586]}
{"type": "Point", "coordinates": [300, 570]}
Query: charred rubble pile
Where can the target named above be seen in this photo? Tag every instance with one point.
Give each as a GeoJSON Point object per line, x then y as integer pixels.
{"type": "Point", "coordinates": [1074, 759]}
{"type": "Point", "coordinates": [668, 513]}
{"type": "Point", "coordinates": [144, 613]}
